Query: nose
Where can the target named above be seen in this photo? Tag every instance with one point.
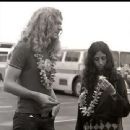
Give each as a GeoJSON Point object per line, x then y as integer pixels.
{"type": "Point", "coordinates": [100, 62]}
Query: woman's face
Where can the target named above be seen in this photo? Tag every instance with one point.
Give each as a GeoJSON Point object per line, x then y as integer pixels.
{"type": "Point", "coordinates": [100, 60]}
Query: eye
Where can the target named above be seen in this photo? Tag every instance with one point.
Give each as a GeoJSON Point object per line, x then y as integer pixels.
{"type": "Point", "coordinates": [96, 58]}
{"type": "Point", "coordinates": [104, 58]}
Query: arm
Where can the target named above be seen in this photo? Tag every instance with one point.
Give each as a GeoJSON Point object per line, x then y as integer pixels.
{"type": "Point", "coordinates": [113, 104]}
{"type": "Point", "coordinates": [11, 85]}
{"type": "Point", "coordinates": [120, 99]}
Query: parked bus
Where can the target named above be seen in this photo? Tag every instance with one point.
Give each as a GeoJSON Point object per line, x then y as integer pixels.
{"type": "Point", "coordinates": [70, 65]}
{"type": "Point", "coordinates": [69, 68]}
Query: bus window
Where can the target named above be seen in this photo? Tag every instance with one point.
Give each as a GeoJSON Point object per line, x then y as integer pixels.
{"type": "Point", "coordinates": [72, 56]}
{"type": "Point", "coordinates": [85, 55]}
{"type": "Point", "coordinates": [115, 55]}
{"type": "Point", "coordinates": [3, 56]}
{"type": "Point", "coordinates": [125, 58]}
{"type": "Point", "coordinates": [4, 45]}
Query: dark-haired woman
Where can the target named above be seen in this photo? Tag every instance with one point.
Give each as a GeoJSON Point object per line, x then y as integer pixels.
{"type": "Point", "coordinates": [103, 100]}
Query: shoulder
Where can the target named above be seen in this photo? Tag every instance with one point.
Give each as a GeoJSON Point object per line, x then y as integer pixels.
{"type": "Point", "coordinates": [21, 45]}
{"type": "Point", "coordinates": [19, 56]}
{"type": "Point", "coordinates": [21, 48]}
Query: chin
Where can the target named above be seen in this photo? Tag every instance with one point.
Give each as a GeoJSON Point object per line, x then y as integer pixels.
{"type": "Point", "coordinates": [54, 38]}
{"type": "Point", "coordinates": [100, 70]}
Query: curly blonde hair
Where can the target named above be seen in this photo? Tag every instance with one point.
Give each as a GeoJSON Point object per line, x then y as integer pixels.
{"type": "Point", "coordinates": [38, 32]}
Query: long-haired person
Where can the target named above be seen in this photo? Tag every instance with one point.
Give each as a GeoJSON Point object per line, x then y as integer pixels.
{"type": "Point", "coordinates": [103, 100]}
{"type": "Point", "coordinates": [31, 70]}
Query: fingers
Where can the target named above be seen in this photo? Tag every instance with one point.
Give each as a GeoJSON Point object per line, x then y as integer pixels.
{"type": "Point", "coordinates": [103, 85]}
{"type": "Point", "coordinates": [108, 83]}
{"type": "Point", "coordinates": [49, 105]}
{"type": "Point", "coordinates": [52, 101]}
{"type": "Point", "coordinates": [55, 110]}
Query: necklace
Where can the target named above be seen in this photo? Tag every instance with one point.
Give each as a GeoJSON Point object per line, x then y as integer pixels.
{"type": "Point", "coordinates": [88, 109]}
{"type": "Point", "coordinates": [46, 69]}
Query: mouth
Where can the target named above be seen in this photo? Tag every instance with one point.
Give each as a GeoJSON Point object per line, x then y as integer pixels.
{"type": "Point", "coordinates": [100, 68]}
{"type": "Point", "coordinates": [56, 35]}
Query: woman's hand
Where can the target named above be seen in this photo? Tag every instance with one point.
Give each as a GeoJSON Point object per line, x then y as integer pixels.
{"type": "Point", "coordinates": [104, 83]}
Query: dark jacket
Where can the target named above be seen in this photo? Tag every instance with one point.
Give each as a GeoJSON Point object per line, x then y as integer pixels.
{"type": "Point", "coordinates": [110, 107]}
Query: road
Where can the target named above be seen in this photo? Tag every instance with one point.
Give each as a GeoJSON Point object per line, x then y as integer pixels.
{"type": "Point", "coordinates": [66, 117]}
{"type": "Point", "coordinates": [65, 120]}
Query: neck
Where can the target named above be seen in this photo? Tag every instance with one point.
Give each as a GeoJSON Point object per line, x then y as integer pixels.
{"type": "Point", "coordinates": [100, 72]}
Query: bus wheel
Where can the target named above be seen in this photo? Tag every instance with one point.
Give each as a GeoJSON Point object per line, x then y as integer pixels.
{"type": "Point", "coordinates": [76, 87]}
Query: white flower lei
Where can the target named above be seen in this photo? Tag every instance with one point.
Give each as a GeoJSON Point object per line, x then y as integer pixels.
{"type": "Point", "coordinates": [47, 70]}
{"type": "Point", "coordinates": [87, 110]}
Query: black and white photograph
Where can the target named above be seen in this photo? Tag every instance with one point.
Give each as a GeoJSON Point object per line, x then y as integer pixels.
{"type": "Point", "coordinates": [64, 65]}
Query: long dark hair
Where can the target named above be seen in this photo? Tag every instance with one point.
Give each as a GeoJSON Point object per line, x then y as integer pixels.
{"type": "Point", "coordinates": [90, 73]}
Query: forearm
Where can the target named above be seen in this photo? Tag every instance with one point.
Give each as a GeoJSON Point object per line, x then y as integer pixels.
{"type": "Point", "coordinates": [19, 90]}
{"type": "Point", "coordinates": [120, 102]}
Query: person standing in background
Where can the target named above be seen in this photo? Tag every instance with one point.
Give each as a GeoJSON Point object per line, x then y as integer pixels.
{"type": "Point", "coordinates": [31, 70]}
{"type": "Point", "coordinates": [103, 100]}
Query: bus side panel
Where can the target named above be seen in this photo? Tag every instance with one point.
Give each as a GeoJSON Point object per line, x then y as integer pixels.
{"type": "Point", "coordinates": [64, 81]}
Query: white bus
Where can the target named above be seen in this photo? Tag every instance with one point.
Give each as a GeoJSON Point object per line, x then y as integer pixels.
{"type": "Point", "coordinates": [69, 68]}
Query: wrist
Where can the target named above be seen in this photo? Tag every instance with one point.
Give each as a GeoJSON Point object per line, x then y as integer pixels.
{"type": "Point", "coordinates": [35, 95]}
{"type": "Point", "coordinates": [113, 91]}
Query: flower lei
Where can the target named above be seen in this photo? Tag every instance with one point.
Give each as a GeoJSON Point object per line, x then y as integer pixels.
{"type": "Point", "coordinates": [86, 109]}
{"type": "Point", "coordinates": [47, 70]}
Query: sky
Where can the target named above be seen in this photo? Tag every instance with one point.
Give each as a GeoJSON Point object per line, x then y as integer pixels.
{"type": "Point", "coordinates": [83, 22]}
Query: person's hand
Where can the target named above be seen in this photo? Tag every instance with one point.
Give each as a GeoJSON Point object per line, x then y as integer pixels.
{"type": "Point", "coordinates": [55, 110]}
{"type": "Point", "coordinates": [46, 101]}
{"type": "Point", "coordinates": [104, 83]}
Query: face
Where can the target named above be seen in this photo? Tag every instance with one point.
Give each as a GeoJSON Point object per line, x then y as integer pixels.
{"type": "Point", "coordinates": [100, 60]}
{"type": "Point", "coordinates": [57, 28]}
